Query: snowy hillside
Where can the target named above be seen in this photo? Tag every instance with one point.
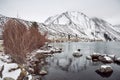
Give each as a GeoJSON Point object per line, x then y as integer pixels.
{"type": "Point", "coordinates": [74, 24]}
{"type": "Point", "coordinates": [117, 27]}
{"type": "Point", "coordinates": [104, 28]}
{"type": "Point", "coordinates": [77, 23]}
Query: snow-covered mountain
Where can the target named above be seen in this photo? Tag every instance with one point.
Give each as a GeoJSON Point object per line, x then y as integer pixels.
{"type": "Point", "coordinates": [105, 29]}
{"type": "Point", "coordinates": [77, 23]}
{"type": "Point", "coordinates": [117, 27]}
{"type": "Point", "coordinates": [74, 24]}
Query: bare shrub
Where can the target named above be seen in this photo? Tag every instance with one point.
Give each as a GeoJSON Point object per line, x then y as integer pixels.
{"type": "Point", "coordinates": [18, 40]}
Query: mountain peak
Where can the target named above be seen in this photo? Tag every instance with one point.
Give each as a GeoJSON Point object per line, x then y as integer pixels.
{"type": "Point", "coordinates": [67, 18]}
{"type": "Point", "coordinates": [74, 23]}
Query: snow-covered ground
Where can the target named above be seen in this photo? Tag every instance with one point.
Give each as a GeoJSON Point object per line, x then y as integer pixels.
{"type": "Point", "coordinates": [4, 59]}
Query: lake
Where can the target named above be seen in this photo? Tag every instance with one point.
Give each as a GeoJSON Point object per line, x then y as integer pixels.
{"type": "Point", "coordinates": [63, 66]}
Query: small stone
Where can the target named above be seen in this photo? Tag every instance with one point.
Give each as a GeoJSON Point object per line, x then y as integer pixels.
{"type": "Point", "coordinates": [36, 77]}
{"type": "Point", "coordinates": [77, 54]}
{"type": "Point", "coordinates": [88, 57]}
{"type": "Point", "coordinates": [43, 72]}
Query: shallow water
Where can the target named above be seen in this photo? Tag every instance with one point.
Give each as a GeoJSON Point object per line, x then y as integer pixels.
{"type": "Point", "coordinates": [63, 66]}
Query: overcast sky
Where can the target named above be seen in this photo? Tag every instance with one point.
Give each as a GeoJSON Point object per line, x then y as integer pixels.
{"type": "Point", "coordinates": [40, 10]}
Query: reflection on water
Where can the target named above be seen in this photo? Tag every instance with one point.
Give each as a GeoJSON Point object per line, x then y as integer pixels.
{"type": "Point", "coordinates": [64, 66]}
{"type": "Point", "coordinates": [104, 75]}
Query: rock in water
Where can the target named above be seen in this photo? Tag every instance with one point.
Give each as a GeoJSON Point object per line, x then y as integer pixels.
{"type": "Point", "coordinates": [112, 56]}
{"type": "Point", "coordinates": [117, 60]}
{"type": "Point", "coordinates": [105, 69]}
{"type": "Point", "coordinates": [77, 53]}
{"type": "Point", "coordinates": [95, 56]}
{"type": "Point", "coordinates": [88, 57]}
{"type": "Point", "coordinates": [43, 72]}
{"type": "Point", "coordinates": [105, 59]}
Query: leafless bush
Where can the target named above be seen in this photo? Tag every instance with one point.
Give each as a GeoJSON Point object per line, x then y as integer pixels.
{"type": "Point", "coordinates": [18, 40]}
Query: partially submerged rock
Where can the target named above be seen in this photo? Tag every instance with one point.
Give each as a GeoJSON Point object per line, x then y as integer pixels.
{"type": "Point", "coordinates": [88, 57]}
{"type": "Point", "coordinates": [112, 56]}
{"type": "Point", "coordinates": [117, 60]}
{"type": "Point", "coordinates": [95, 56]}
{"type": "Point", "coordinates": [43, 72]}
{"type": "Point", "coordinates": [105, 69]}
{"type": "Point", "coordinates": [105, 59]}
{"type": "Point", "coordinates": [77, 53]}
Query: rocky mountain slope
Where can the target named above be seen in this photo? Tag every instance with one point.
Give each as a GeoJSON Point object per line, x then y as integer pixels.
{"type": "Point", "coordinates": [74, 24]}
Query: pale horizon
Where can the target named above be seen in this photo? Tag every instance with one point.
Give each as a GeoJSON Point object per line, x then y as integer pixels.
{"type": "Point", "coordinates": [40, 10]}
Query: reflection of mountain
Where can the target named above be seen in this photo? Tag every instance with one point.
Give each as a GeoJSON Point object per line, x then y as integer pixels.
{"type": "Point", "coordinates": [71, 64]}
{"type": "Point", "coordinates": [64, 64]}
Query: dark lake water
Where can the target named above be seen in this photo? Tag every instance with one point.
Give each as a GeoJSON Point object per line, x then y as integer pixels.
{"type": "Point", "coordinates": [63, 66]}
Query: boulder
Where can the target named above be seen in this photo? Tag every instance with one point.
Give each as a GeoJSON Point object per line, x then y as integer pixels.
{"type": "Point", "coordinates": [112, 56]}
{"type": "Point", "coordinates": [8, 78]}
{"type": "Point", "coordinates": [117, 60]}
{"type": "Point", "coordinates": [95, 56]}
{"type": "Point", "coordinates": [105, 59]}
{"type": "Point", "coordinates": [105, 69]}
{"type": "Point", "coordinates": [77, 53]}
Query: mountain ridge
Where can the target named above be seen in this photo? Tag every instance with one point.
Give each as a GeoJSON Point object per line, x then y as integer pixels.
{"type": "Point", "coordinates": [75, 24]}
